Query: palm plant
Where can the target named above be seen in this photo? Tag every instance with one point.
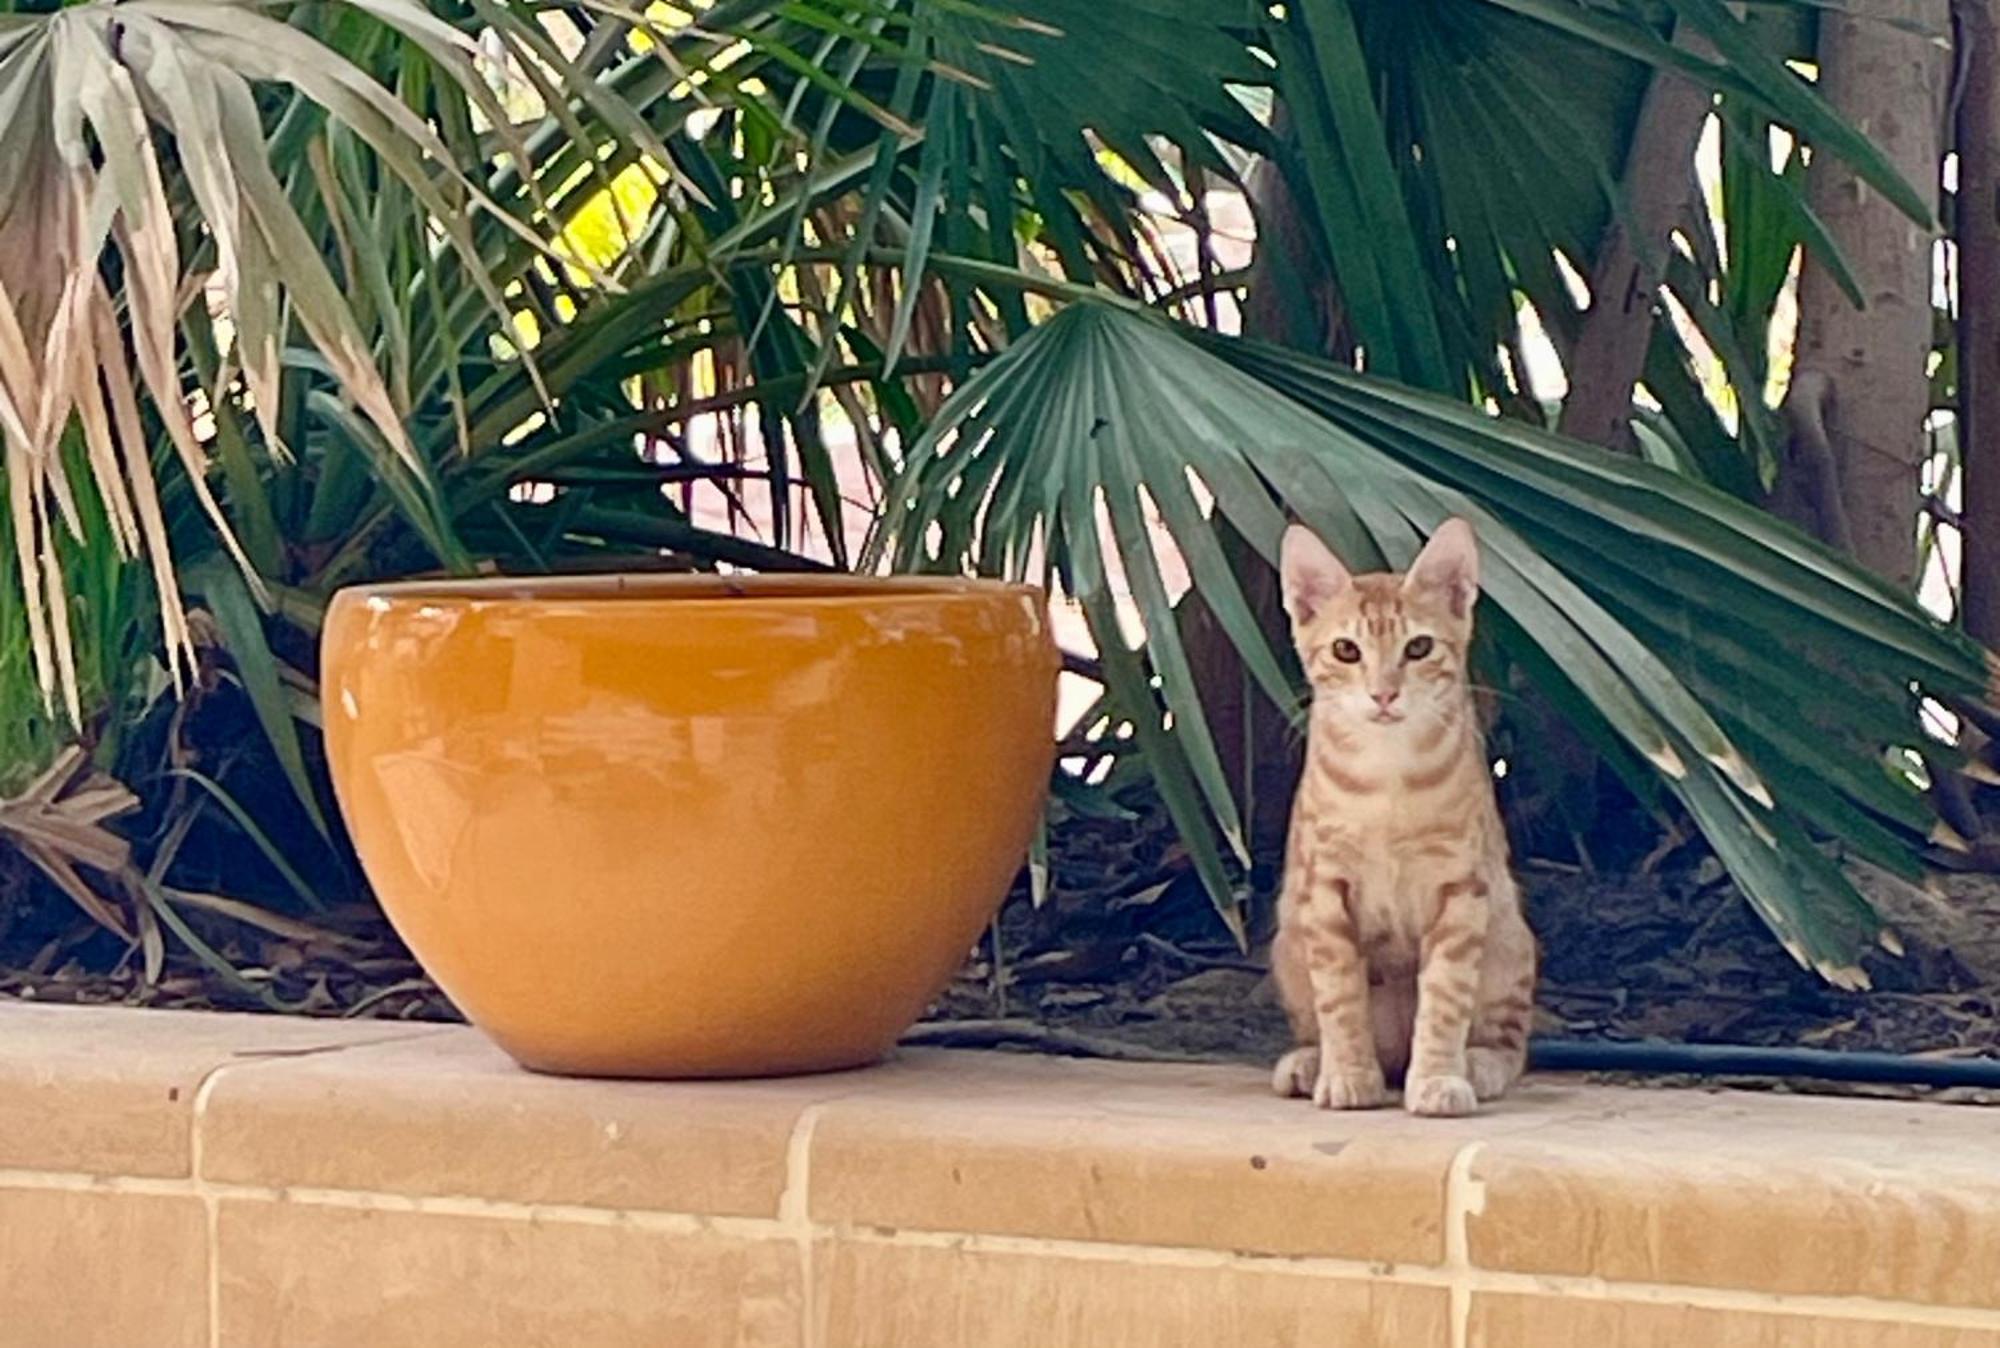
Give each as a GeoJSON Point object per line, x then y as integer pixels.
{"type": "Point", "coordinates": [351, 289]}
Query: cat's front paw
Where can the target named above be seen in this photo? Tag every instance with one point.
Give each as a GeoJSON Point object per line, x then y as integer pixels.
{"type": "Point", "coordinates": [1295, 1073]}
{"type": "Point", "coordinates": [1439, 1097]}
{"type": "Point", "coordinates": [1336, 1088]}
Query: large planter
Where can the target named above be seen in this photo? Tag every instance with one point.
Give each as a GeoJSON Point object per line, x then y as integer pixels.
{"type": "Point", "coordinates": [690, 826]}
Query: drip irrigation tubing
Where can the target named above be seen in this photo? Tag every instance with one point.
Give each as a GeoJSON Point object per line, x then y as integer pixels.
{"type": "Point", "coordinates": [1712, 1060]}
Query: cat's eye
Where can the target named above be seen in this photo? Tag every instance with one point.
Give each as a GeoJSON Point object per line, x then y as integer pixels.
{"type": "Point", "coordinates": [1418, 648]}
{"type": "Point", "coordinates": [1346, 652]}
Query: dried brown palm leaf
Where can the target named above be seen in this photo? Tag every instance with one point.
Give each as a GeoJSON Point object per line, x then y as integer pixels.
{"type": "Point", "coordinates": [58, 822]}
{"type": "Point", "coordinates": [90, 96]}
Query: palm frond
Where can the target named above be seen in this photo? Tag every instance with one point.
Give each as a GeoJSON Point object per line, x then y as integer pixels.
{"type": "Point", "coordinates": [136, 131]}
{"type": "Point", "coordinates": [1666, 613]}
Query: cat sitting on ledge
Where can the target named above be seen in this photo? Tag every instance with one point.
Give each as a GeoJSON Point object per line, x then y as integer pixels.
{"type": "Point", "coordinates": [1402, 953]}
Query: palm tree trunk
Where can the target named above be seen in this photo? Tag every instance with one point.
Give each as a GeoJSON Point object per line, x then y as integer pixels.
{"type": "Point", "coordinates": [1978, 134]}
{"type": "Point", "coordinates": [1625, 279]}
{"type": "Point", "coordinates": [1254, 739]}
{"type": "Point", "coordinates": [1860, 389]}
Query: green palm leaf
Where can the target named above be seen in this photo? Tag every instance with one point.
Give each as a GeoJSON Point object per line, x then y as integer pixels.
{"type": "Point", "coordinates": [1663, 610]}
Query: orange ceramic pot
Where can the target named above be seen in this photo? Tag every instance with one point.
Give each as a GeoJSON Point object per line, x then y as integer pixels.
{"type": "Point", "coordinates": [690, 826]}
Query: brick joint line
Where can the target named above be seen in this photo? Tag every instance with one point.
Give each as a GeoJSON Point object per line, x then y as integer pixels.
{"type": "Point", "coordinates": [793, 1225]}
{"type": "Point", "coordinates": [198, 1184]}
{"type": "Point", "coordinates": [795, 1216]}
{"type": "Point", "coordinates": [1463, 1196]}
{"type": "Point", "coordinates": [211, 1210]}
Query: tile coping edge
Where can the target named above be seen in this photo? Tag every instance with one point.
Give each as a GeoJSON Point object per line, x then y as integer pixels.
{"type": "Point", "coordinates": [1456, 1274]}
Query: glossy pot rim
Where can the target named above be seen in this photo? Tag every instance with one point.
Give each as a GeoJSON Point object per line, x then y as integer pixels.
{"type": "Point", "coordinates": [618, 590]}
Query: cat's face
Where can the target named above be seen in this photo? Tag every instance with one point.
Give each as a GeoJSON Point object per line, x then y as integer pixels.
{"type": "Point", "coordinates": [1385, 652]}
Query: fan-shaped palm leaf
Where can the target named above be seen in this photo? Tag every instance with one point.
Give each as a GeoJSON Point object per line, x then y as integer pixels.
{"type": "Point", "coordinates": [1673, 617]}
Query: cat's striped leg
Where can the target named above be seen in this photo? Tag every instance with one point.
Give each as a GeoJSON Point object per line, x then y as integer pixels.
{"type": "Point", "coordinates": [1498, 1052]}
{"type": "Point", "coordinates": [1298, 1070]}
{"type": "Point", "coordinates": [1350, 1073]}
{"type": "Point", "coordinates": [1448, 977]}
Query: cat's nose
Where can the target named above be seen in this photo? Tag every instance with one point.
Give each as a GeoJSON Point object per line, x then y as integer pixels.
{"type": "Point", "coordinates": [1385, 698]}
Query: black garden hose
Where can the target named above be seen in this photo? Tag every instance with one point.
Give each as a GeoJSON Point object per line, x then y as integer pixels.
{"type": "Point", "coordinates": [1713, 1060]}
{"type": "Point", "coordinates": [1544, 1055]}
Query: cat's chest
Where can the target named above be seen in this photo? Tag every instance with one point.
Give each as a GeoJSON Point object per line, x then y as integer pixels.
{"type": "Point", "coordinates": [1394, 843]}
{"type": "Point", "coordinates": [1390, 904]}
{"type": "Point", "coordinates": [1387, 806]}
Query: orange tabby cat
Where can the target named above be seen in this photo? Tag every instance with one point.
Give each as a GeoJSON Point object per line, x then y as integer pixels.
{"type": "Point", "coordinates": [1401, 948]}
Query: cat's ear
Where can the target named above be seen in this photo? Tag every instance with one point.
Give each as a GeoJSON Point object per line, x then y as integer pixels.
{"type": "Point", "coordinates": [1312, 576]}
{"type": "Point", "coordinates": [1449, 566]}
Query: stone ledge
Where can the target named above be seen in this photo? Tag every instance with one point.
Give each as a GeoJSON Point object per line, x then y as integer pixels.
{"type": "Point", "coordinates": [253, 1181]}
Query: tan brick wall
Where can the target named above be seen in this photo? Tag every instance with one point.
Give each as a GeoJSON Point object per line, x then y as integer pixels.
{"type": "Point", "coordinates": [177, 1179]}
